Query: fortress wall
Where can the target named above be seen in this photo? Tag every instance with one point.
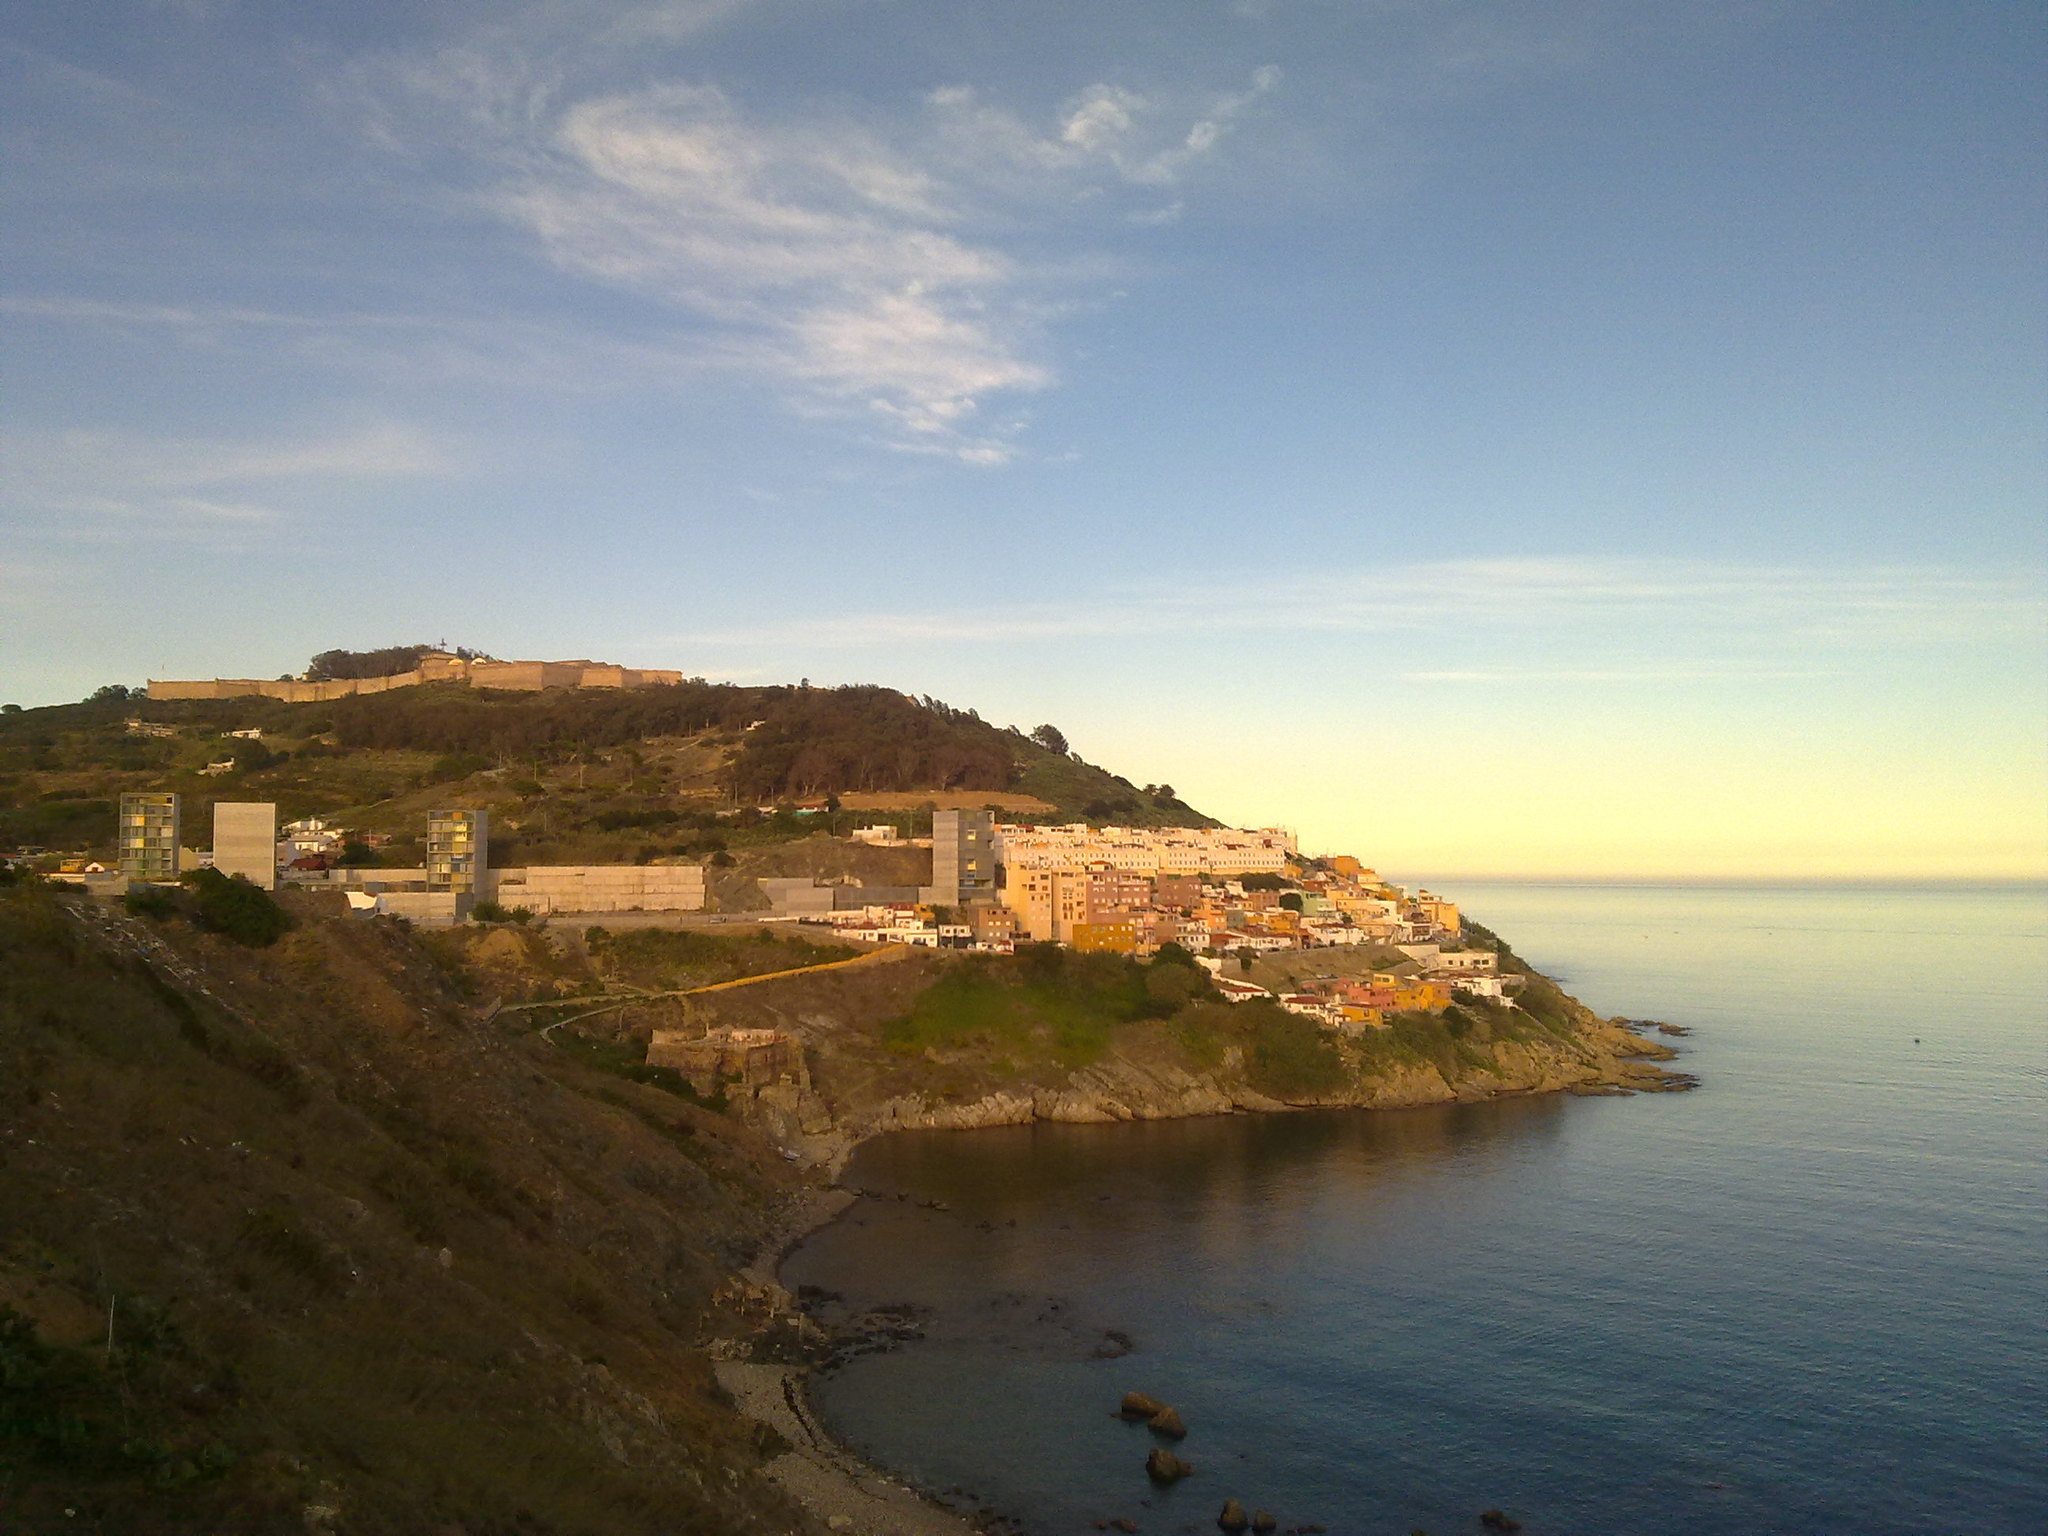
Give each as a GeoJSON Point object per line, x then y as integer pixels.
{"type": "Point", "coordinates": [198, 689]}
{"type": "Point", "coordinates": [516, 676]}
{"type": "Point", "coordinates": [386, 684]}
{"type": "Point", "coordinates": [520, 676]}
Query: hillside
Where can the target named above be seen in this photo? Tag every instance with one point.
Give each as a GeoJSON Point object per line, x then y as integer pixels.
{"type": "Point", "coordinates": [569, 776]}
{"type": "Point", "coordinates": [288, 1241]}
{"type": "Point", "coordinates": [939, 1039]}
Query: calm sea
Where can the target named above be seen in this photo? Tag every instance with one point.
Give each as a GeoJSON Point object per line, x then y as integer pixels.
{"type": "Point", "coordinates": [1810, 1296]}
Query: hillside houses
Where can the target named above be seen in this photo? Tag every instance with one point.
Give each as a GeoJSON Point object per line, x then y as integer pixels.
{"type": "Point", "coordinates": [1134, 891]}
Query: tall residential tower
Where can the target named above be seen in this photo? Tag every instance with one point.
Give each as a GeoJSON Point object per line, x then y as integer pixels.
{"type": "Point", "coordinates": [149, 836]}
{"type": "Point", "coordinates": [963, 858]}
{"type": "Point", "coordinates": [458, 855]}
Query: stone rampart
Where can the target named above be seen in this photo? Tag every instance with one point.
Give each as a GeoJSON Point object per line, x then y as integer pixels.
{"type": "Point", "coordinates": [513, 676]}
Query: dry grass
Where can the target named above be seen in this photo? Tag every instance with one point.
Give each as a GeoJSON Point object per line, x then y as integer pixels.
{"type": "Point", "coordinates": [271, 1175]}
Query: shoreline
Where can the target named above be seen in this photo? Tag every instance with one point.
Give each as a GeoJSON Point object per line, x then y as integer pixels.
{"type": "Point", "coordinates": [849, 1494]}
{"type": "Point", "coordinates": [827, 1477]}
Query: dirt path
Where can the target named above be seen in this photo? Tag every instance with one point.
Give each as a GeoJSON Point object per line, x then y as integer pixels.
{"type": "Point", "coordinates": [606, 1002]}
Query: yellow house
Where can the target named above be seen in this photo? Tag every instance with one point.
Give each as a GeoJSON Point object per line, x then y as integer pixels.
{"type": "Point", "coordinates": [1116, 937]}
{"type": "Point", "coordinates": [1443, 913]}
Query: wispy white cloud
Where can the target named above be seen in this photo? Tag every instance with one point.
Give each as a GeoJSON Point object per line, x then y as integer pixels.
{"type": "Point", "coordinates": [1742, 618]}
{"type": "Point", "coordinates": [896, 263]}
{"type": "Point", "coordinates": [1106, 129]}
{"type": "Point", "coordinates": [823, 255]}
{"type": "Point", "coordinates": [503, 350]}
{"type": "Point", "coordinates": [863, 259]}
{"type": "Point", "coordinates": [89, 483]}
{"type": "Point", "coordinates": [1527, 676]}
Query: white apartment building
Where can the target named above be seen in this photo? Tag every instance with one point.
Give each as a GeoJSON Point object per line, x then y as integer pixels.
{"type": "Point", "coordinates": [1145, 850]}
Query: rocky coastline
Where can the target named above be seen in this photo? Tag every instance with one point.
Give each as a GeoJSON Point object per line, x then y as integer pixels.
{"type": "Point", "coordinates": [1607, 1057]}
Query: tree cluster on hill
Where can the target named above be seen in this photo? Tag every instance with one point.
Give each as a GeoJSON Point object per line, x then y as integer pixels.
{"type": "Point", "coordinates": [829, 740]}
{"type": "Point", "coordinates": [811, 741]}
{"type": "Point", "coordinates": [382, 662]}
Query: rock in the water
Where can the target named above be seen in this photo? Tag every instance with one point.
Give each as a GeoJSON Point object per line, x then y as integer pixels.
{"type": "Point", "coordinates": [1138, 1406]}
{"type": "Point", "coordinates": [1114, 1345]}
{"type": "Point", "coordinates": [1167, 1422]}
{"type": "Point", "coordinates": [1124, 1523]}
{"type": "Point", "coordinates": [1498, 1520]}
{"type": "Point", "coordinates": [1162, 1466]}
{"type": "Point", "coordinates": [1262, 1520]}
{"type": "Point", "coordinates": [1233, 1519]}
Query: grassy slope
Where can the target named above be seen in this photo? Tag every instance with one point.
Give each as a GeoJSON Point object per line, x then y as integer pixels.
{"type": "Point", "coordinates": [957, 1028]}
{"type": "Point", "coordinates": [261, 1191]}
{"type": "Point", "coordinates": [567, 777]}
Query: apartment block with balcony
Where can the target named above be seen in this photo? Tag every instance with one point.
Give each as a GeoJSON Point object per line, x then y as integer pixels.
{"type": "Point", "coordinates": [149, 836]}
{"type": "Point", "coordinates": [458, 854]}
{"type": "Point", "coordinates": [963, 859]}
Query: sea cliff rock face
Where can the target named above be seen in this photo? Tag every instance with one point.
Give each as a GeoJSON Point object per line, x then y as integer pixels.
{"type": "Point", "coordinates": [1603, 1058]}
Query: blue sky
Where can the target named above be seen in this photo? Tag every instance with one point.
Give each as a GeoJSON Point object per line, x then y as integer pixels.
{"type": "Point", "coordinates": [1578, 438]}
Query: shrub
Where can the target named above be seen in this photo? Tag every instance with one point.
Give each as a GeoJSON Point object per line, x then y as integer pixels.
{"type": "Point", "coordinates": [1170, 987]}
{"type": "Point", "coordinates": [277, 1235]}
{"type": "Point", "coordinates": [150, 901]}
{"type": "Point", "coordinates": [489, 912]}
{"type": "Point", "coordinates": [235, 909]}
{"type": "Point", "coordinates": [1291, 1056]}
{"type": "Point", "coordinates": [459, 765]}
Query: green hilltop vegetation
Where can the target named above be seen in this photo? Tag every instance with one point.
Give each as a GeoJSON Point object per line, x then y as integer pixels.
{"type": "Point", "coordinates": [680, 770]}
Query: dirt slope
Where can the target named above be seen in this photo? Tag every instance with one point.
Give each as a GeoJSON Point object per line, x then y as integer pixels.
{"type": "Point", "coordinates": [371, 1266]}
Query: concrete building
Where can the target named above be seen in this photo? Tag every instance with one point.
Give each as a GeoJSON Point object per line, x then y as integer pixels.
{"type": "Point", "coordinates": [1146, 850]}
{"type": "Point", "coordinates": [1048, 902]}
{"type": "Point", "coordinates": [993, 927]}
{"type": "Point", "coordinates": [245, 841]}
{"type": "Point", "coordinates": [149, 836]}
{"type": "Point", "coordinates": [432, 909]}
{"type": "Point", "coordinates": [548, 888]}
{"type": "Point", "coordinates": [797, 896]}
{"type": "Point", "coordinates": [963, 858]}
{"type": "Point", "coordinates": [458, 854]}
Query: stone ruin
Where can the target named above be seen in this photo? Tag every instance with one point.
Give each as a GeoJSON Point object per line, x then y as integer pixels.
{"type": "Point", "coordinates": [750, 1059]}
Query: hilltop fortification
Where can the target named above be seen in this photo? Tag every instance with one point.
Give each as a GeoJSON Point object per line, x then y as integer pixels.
{"type": "Point", "coordinates": [434, 667]}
